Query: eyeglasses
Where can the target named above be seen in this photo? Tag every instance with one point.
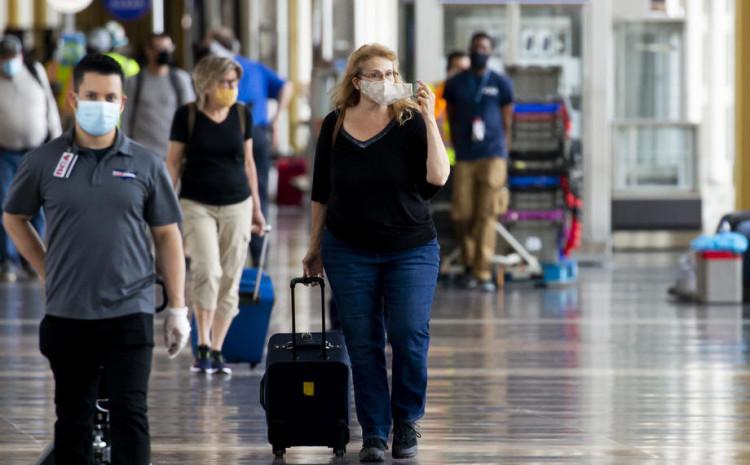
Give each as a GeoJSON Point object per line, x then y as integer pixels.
{"type": "Point", "coordinates": [379, 76]}
{"type": "Point", "coordinates": [231, 83]}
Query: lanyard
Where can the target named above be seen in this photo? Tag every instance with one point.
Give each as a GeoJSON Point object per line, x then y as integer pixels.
{"type": "Point", "coordinates": [480, 89]}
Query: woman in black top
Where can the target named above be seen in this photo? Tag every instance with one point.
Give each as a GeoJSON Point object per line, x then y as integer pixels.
{"type": "Point", "coordinates": [379, 159]}
{"type": "Point", "coordinates": [211, 139]}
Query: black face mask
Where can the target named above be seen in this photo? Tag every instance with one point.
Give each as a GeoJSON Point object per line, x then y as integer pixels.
{"type": "Point", "coordinates": [164, 58]}
{"type": "Point", "coordinates": [478, 60]}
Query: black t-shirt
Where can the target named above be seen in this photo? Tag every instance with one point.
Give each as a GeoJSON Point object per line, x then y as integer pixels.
{"type": "Point", "coordinates": [214, 156]}
{"type": "Point", "coordinates": [376, 191]}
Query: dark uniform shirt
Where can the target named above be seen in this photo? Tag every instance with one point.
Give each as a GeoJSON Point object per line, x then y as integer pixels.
{"type": "Point", "coordinates": [471, 96]}
{"type": "Point", "coordinates": [98, 207]}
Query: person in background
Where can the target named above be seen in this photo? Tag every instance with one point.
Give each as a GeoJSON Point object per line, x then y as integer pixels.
{"type": "Point", "coordinates": [71, 47]}
{"type": "Point", "coordinates": [99, 189]}
{"type": "Point", "coordinates": [154, 95]}
{"type": "Point", "coordinates": [212, 139]}
{"type": "Point", "coordinates": [480, 110]}
{"type": "Point", "coordinates": [379, 160]}
{"type": "Point", "coordinates": [112, 41]}
{"type": "Point", "coordinates": [28, 118]}
{"type": "Point", "coordinates": [457, 62]}
{"type": "Point", "coordinates": [258, 85]}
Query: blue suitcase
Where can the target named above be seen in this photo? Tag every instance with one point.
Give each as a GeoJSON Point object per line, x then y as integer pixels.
{"type": "Point", "coordinates": [247, 334]}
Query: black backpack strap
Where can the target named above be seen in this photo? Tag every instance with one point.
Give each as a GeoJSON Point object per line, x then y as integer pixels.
{"type": "Point", "coordinates": [31, 66]}
{"type": "Point", "coordinates": [136, 100]}
{"type": "Point", "coordinates": [177, 86]}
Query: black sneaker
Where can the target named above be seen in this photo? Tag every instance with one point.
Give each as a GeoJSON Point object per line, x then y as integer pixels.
{"type": "Point", "coordinates": [202, 363]}
{"type": "Point", "coordinates": [405, 440]}
{"type": "Point", "coordinates": [373, 450]}
{"type": "Point", "coordinates": [468, 282]}
{"type": "Point", "coordinates": [218, 365]}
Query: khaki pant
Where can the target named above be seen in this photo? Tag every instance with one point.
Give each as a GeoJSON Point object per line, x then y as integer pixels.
{"type": "Point", "coordinates": [218, 238]}
{"type": "Point", "coordinates": [479, 196]}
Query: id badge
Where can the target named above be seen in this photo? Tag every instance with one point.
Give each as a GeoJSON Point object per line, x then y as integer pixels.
{"type": "Point", "coordinates": [477, 130]}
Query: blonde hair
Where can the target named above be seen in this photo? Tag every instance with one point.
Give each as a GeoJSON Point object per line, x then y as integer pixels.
{"type": "Point", "coordinates": [209, 71]}
{"type": "Point", "coordinates": [345, 95]}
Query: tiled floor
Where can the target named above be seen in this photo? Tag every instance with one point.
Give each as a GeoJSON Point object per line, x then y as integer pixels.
{"type": "Point", "coordinates": [606, 372]}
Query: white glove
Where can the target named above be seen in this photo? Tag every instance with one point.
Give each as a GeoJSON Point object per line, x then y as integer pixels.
{"type": "Point", "coordinates": [176, 330]}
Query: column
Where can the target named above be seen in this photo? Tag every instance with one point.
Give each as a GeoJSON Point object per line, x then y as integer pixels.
{"type": "Point", "coordinates": [376, 21]}
{"type": "Point", "coordinates": [598, 102]}
{"type": "Point", "coordinates": [430, 66]}
{"type": "Point", "coordinates": [742, 102]}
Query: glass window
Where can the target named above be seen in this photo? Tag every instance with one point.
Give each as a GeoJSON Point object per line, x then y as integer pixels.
{"type": "Point", "coordinates": [551, 36]}
{"type": "Point", "coordinates": [461, 21]}
{"type": "Point", "coordinates": [654, 147]}
{"type": "Point", "coordinates": [649, 67]}
{"type": "Point", "coordinates": [655, 157]}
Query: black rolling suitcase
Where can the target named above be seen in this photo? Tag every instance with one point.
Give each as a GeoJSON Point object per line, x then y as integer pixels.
{"type": "Point", "coordinates": [306, 389]}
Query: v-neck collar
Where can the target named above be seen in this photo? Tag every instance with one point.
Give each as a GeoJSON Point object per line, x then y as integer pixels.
{"type": "Point", "coordinates": [366, 143]}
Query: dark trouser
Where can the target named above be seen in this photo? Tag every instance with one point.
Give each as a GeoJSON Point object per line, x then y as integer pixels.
{"type": "Point", "coordinates": [375, 292]}
{"type": "Point", "coordinates": [262, 157]}
{"type": "Point", "coordinates": [77, 350]}
{"type": "Point", "coordinates": [9, 161]}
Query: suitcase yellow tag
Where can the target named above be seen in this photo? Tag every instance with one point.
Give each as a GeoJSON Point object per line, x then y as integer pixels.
{"type": "Point", "coordinates": [308, 388]}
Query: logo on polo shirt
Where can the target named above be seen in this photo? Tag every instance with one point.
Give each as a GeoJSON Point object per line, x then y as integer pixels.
{"type": "Point", "coordinates": [65, 165]}
{"type": "Point", "coordinates": [123, 174]}
{"type": "Point", "coordinates": [491, 91]}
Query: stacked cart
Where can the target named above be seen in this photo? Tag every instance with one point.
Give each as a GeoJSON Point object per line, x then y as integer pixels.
{"type": "Point", "coordinates": [544, 212]}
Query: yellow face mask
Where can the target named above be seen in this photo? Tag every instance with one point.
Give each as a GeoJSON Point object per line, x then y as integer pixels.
{"type": "Point", "coordinates": [225, 96]}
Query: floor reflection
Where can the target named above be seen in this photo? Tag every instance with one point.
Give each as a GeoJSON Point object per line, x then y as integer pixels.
{"type": "Point", "coordinates": [609, 371]}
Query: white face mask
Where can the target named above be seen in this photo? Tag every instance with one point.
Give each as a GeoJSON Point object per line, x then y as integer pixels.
{"type": "Point", "coordinates": [386, 92]}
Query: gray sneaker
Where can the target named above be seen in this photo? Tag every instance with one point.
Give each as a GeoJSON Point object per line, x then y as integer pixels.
{"type": "Point", "coordinates": [373, 450]}
{"type": "Point", "coordinates": [405, 440]}
{"type": "Point", "coordinates": [488, 286]}
{"type": "Point", "coordinates": [8, 272]}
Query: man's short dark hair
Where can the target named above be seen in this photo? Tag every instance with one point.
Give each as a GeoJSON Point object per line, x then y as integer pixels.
{"type": "Point", "coordinates": [453, 56]}
{"type": "Point", "coordinates": [157, 35]}
{"type": "Point", "coordinates": [96, 63]}
{"type": "Point", "coordinates": [481, 35]}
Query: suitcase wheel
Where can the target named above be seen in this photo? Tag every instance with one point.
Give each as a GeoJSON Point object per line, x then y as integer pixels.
{"type": "Point", "coordinates": [253, 365]}
{"type": "Point", "coordinates": [340, 452]}
{"type": "Point", "coordinates": [279, 452]}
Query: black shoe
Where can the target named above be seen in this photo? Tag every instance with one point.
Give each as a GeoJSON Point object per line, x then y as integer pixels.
{"type": "Point", "coordinates": [202, 363]}
{"type": "Point", "coordinates": [468, 282]}
{"type": "Point", "coordinates": [373, 450]}
{"type": "Point", "coordinates": [218, 365]}
{"type": "Point", "coordinates": [405, 440]}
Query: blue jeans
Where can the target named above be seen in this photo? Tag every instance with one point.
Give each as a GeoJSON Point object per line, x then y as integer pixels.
{"type": "Point", "coordinates": [9, 161]}
{"type": "Point", "coordinates": [377, 292]}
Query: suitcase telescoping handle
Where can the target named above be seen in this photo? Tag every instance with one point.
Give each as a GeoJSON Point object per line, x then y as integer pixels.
{"type": "Point", "coordinates": [262, 263]}
{"type": "Point", "coordinates": [164, 298]}
{"type": "Point", "coordinates": [306, 281]}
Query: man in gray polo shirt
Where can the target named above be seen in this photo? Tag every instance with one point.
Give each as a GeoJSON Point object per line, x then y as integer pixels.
{"type": "Point", "coordinates": [100, 191]}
